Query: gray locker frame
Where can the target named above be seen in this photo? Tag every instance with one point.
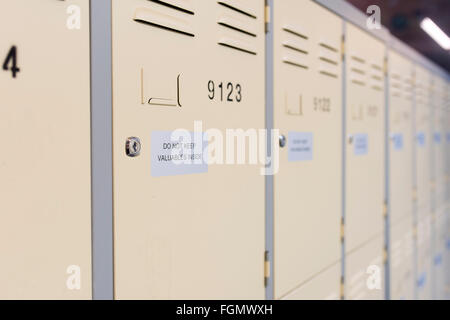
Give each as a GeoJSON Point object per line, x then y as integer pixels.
{"type": "Point", "coordinates": [269, 188]}
{"type": "Point", "coordinates": [101, 150]}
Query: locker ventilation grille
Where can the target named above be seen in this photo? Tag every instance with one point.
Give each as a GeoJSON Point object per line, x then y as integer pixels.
{"type": "Point", "coordinates": [170, 15]}
{"type": "Point", "coordinates": [376, 77]}
{"type": "Point", "coordinates": [421, 93]}
{"type": "Point", "coordinates": [358, 70]}
{"type": "Point", "coordinates": [329, 60]}
{"type": "Point", "coordinates": [239, 28]}
{"type": "Point", "coordinates": [395, 85]}
{"type": "Point", "coordinates": [401, 87]}
{"type": "Point", "coordinates": [295, 44]}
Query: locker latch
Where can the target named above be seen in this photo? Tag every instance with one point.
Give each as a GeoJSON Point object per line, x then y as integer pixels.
{"type": "Point", "coordinates": [266, 268]}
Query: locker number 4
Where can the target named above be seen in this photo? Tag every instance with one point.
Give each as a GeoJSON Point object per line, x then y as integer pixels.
{"type": "Point", "coordinates": [10, 63]}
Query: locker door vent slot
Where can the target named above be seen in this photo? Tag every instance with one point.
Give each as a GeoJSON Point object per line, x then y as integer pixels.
{"type": "Point", "coordinates": [358, 72]}
{"type": "Point", "coordinates": [164, 21]}
{"type": "Point", "coordinates": [179, 5]}
{"type": "Point", "coordinates": [235, 25]}
{"type": "Point", "coordinates": [376, 77]}
{"type": "Point", "coordinates": [237, 8]}
{"type": "Point", "coordinates": [236, 45]}
{"type": "Point", "coordinates": [295, 47]}
{"type": "Point", "coordinates": [358, 59]}
{"type": "Point", "coordinates": [329, 47]}
{"type": "Point", "coordinates": [360, 83]}
{"type": "Point", "coordinates": [328, 60]}
{"type": "Point", "coordinates": [329, 74]}
{"type": "Point", "coordinates": [292, 63]}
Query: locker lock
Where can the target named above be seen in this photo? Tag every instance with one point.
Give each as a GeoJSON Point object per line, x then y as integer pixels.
{"type": "Point", "coordinates": [350, 138]}
{"type": "Point", "coordinates": [282, 140]}
{"type": "Point", "coordinates": [133, 147]}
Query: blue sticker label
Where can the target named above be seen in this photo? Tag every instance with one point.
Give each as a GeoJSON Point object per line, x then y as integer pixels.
{"type": "Point", "coordinates": [300, 146]}
{"type": "Point", "coordinates": [422, 280]}
{"type": "Point", "coordinates": [438, 259]}
{"type": "Point", "coordinates": [398, 141]}
{"type": "Point", "coordinates": [421, 139]}
{"type": "Point", "coordinates": [178, 152]}
{"type": "Point", "coordinates": [360, 144]}
{"type": "Point", "coordinates": [437, 137]}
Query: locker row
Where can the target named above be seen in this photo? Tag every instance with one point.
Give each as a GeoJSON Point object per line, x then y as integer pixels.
{"type": "Point", "coordinates": [351, 202]}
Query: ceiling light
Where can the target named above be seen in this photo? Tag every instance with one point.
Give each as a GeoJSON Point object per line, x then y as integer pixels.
{"type": "Point", "coordinates": [436, 33]}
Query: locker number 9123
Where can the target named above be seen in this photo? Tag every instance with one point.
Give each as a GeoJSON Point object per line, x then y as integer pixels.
{"type": "Point", "coordinates": [224, 92]}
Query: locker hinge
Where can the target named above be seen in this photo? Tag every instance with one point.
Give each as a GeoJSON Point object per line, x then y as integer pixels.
{"type": "Point", "coordinates": [385, 209]}
{"type": "Point", "coordinates": [342, 230]}
{"type": "Point", "coordinates": [341, 288]}
{"type": "Point", "coordinates": [414, 194]}
{"type": "Point", "coordinates": [385, 255]}
{"type": "Point", "coordinates": [415, 231]}
{"type": "Point", "coordinates": [385, 66]}
{"type": "Point", "coordinates": [342, 48]}
{"type": "Point", "coordinates": [266, 17]}
{"type": "Point", "coordinates": [266, 268]}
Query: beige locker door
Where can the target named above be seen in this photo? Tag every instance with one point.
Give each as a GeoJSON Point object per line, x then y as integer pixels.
{"type": "Point", "coordinates": [401, 175]}
{"type": "Point", "coordinates": [365, 136]}
{"type": "Point", "coordinates": [440, 272]}
{"type": "Point", "coordinates": [364, 272]}
{"type": "Point", "coordinates": [423, 141]}
{"type": "Point", "coordinates": [185, 232]}
{"type": "Point", "coordinates": [45, 220]}
{"type": "Point", "coordinates": [402, 260]}
{"type": "Point", "coordinates": [424, 255]}
{"type": "Point", "coordinates": [400, 136]}
{"type": "Point", "coordinates": [307, 111]}
{"type": "Point", "coordinates": [321, 287]}
{"type": "Point", "coordinates": [439, 143]}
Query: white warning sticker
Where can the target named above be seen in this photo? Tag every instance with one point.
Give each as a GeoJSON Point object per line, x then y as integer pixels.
{"type": "Point", "coordinates": [178, 152]}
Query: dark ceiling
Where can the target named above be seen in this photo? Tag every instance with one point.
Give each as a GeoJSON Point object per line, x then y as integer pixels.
{"type": "Point", "coordinates": [402, 18]}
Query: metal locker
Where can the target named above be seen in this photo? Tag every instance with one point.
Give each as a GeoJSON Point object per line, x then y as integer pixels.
{"type": "Point", "coordinates": [364, 145]}
{"type": "Point", "coordinates": [364, 271]}
{"type": "Point", "coordinates": [322, 287]}
{"type": "Point", "coordinates": [308, 112]}
{"type": "Point", "coordinates": [400, 174]}
{"type": "Point", "coordinates": [45, 221]}
{"type": "Point", "coordinates": [188, 231]}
